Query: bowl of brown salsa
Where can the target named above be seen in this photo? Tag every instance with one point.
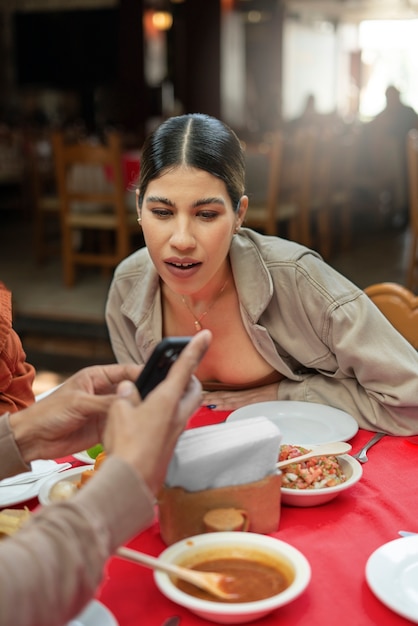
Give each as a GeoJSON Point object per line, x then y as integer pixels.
{"type": "Point", "coordinates": [263, 574]}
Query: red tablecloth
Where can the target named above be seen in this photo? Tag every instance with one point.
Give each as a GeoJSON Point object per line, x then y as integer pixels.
{"type": "Point", "coordinates": [337, 538]}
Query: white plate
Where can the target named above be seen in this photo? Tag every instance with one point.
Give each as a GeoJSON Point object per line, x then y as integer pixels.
{"type": "Point", "coordinates": [16, 494]}
{"type": "Point", "coordinates": [95, 614]}
{"type": "Point", "coordinates": [84, 457]}
{"type": "Point", "coordinates": [72, 474]}
{"type": "Point", "coordinates": [392, 575]}
{"type": "Point", "coordinates": [19, 492]}
{"type": "Point", "coordinates": [302, 423]}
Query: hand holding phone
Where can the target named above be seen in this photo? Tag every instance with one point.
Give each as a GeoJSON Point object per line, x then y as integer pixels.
{"type": "Point", "coordinates": [160, 361]}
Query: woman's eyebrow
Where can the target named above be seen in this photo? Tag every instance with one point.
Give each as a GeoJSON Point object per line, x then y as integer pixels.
{"type": "Point", "coordinates": [196, 204]}
{"type": "Point", "coordinates": [205, 201]}
{"type": "Point", "coordinates": [160, 199]}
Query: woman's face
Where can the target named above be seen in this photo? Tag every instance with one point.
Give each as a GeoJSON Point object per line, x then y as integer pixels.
{"type": "Point", "coordinates": [188, 222]}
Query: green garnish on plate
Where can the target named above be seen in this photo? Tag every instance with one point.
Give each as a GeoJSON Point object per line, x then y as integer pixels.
{"type": "Point", "coordinates": [94, 451]}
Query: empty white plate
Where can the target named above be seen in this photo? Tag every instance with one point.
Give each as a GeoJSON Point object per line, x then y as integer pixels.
{"type": "Point", "coordinates": [392, 575]}
{"type": "Point", "coordinates": [302, 423]}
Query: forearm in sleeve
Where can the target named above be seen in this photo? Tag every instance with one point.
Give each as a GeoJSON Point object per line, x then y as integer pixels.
{"type": "Point", "coordinates": [51, 568]}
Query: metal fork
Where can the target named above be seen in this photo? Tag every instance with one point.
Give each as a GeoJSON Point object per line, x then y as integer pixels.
{"type": "Point", "coordinates": [361, 455]}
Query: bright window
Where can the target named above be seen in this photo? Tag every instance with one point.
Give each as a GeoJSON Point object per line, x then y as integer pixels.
{"type": "Point", "coordinates": [389, 57]}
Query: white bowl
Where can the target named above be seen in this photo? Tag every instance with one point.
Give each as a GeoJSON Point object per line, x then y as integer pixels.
{"type": "Point", "coordinates": [247, 545]}
{"type": "Point", "coordinates": [313, 497]}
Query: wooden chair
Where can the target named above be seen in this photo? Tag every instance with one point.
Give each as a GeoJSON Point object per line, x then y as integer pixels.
{"type": "Point", "coordinates": [399, 305]}
{"type": "Point", "coordinates": [319, 204]}
{"type": "Point", "coordinates": [12, 179]}
{"type": "Point", "coordinates": [331, 197]}
{"type": "Point", "coordinates": [278, 180]}
{"type": "Point", "coordinates": [43, 198]}
{"type": "Point", "coordinates": [308, 176]}
{"type": "Point", "coordinates": [412, 161]}
{"type": "Point", "coordinates": [96, 224]}
{"type": "Point", "coordinates": [298, 177]}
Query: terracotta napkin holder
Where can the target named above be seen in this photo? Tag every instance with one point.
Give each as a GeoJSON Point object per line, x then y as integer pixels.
{"type": "Point", "coordinates": [182, 513]}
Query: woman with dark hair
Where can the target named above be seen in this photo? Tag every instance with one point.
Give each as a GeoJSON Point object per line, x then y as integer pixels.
{"type": "Point", "coordinates": [285, 325]}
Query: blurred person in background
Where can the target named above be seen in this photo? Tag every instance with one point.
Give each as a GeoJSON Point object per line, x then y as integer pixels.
{"type": "Point", "coordinates": [397, 118]}
{"type": "Point", "coordinates": [309, 117]}
{"type": "Point", "coordinates": [386, 145]}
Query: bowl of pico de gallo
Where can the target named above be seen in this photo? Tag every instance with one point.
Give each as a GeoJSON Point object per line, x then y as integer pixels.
{"type": "Point", "coordinates": [316, 480]}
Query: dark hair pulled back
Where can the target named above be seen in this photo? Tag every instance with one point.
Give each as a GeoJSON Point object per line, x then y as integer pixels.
{"type": "Point", "coordinates": [195, 140]}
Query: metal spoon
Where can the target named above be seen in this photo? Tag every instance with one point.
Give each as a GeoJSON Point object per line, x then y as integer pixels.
{"type": "Point", "coordinates": [209, 581]}
{"type": "Point", "coordinates": [361, 454]}
{"type": "Point", "coordinates": [325, 449]}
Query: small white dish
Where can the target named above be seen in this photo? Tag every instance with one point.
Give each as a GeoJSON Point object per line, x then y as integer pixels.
{"type": "Point", "coordinates": [72, 475]}
{"type": "Point", "coordinates": [95, 614]}
{"type": "Point", "coordinates": [314, 497]}
{"type": "Point", "coordinates": [235, 544]}
{"type": "Point", "coordinates": [302, 423]}
{"type": "Point", "coordinates": [392, 575]}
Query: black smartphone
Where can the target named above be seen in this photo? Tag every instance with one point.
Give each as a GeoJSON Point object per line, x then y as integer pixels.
{"type": "Point", "coordinates": [160, 361]}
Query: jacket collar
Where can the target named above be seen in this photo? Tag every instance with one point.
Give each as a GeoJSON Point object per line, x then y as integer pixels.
{"type": "Point", "coordinates": [250, 272]}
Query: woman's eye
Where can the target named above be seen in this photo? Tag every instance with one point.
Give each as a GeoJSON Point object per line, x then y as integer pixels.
{"type": "Point", "coordinates": [208, 215]}
{"type": "Point", "coordinates": [161, 212]}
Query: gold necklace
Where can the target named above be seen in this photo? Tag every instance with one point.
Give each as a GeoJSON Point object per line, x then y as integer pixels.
{"type": "Point", "coordinates": [198, 320]}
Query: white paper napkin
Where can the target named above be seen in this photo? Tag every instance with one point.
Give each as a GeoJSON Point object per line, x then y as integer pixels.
{"type": "Point", "coordinates": [26, 485]}
{"type": "Point", "coordinates": [231, 453]}
{"type": "Point", "coordinates": [38, 470]}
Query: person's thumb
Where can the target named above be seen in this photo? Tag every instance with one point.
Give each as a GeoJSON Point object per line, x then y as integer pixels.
{"type": "Point", "coordinates": [126, 389]}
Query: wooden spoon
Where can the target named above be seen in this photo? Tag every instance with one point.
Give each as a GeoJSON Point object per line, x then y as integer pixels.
{"type": "Point", "coordinates": [209, 581]}
{"type": "Point", "coordinates": [325, 449]}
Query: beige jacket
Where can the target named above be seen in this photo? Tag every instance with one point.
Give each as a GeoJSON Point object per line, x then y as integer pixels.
{"type": "Point", "coordinates": [310, 323]}
{"type": "Point", "coordinates": [51, 568]}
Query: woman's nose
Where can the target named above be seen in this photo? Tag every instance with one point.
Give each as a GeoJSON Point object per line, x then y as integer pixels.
{"type": "Point", "coordinates": [183, 237]}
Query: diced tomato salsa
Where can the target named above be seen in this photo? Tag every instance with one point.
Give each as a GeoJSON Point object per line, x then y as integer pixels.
{"type": "Point", "coordinates": [314, 473]}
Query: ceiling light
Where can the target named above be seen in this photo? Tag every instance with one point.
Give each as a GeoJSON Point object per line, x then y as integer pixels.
{"type": "Point", "coordinates": [162, 20]}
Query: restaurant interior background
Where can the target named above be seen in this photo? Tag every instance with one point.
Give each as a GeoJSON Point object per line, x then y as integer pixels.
{"type": "Point", "coordinates": [129, 64]}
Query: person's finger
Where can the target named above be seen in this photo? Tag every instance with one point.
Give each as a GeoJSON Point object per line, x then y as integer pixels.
{"type": "Point", "coordinates": [179, 387]}
{"type": "Point", "coordinates": [104, 379]}
{"type": "Point", "coordinates": [127, 389]}
{"type": "Point", "coordinates": [191, 400]}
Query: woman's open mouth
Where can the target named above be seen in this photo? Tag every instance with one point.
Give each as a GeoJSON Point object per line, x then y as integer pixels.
{"type": "Point", "coordinates": [183, 266]}
{"type": "Point", "coordinates": [182, 269]}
